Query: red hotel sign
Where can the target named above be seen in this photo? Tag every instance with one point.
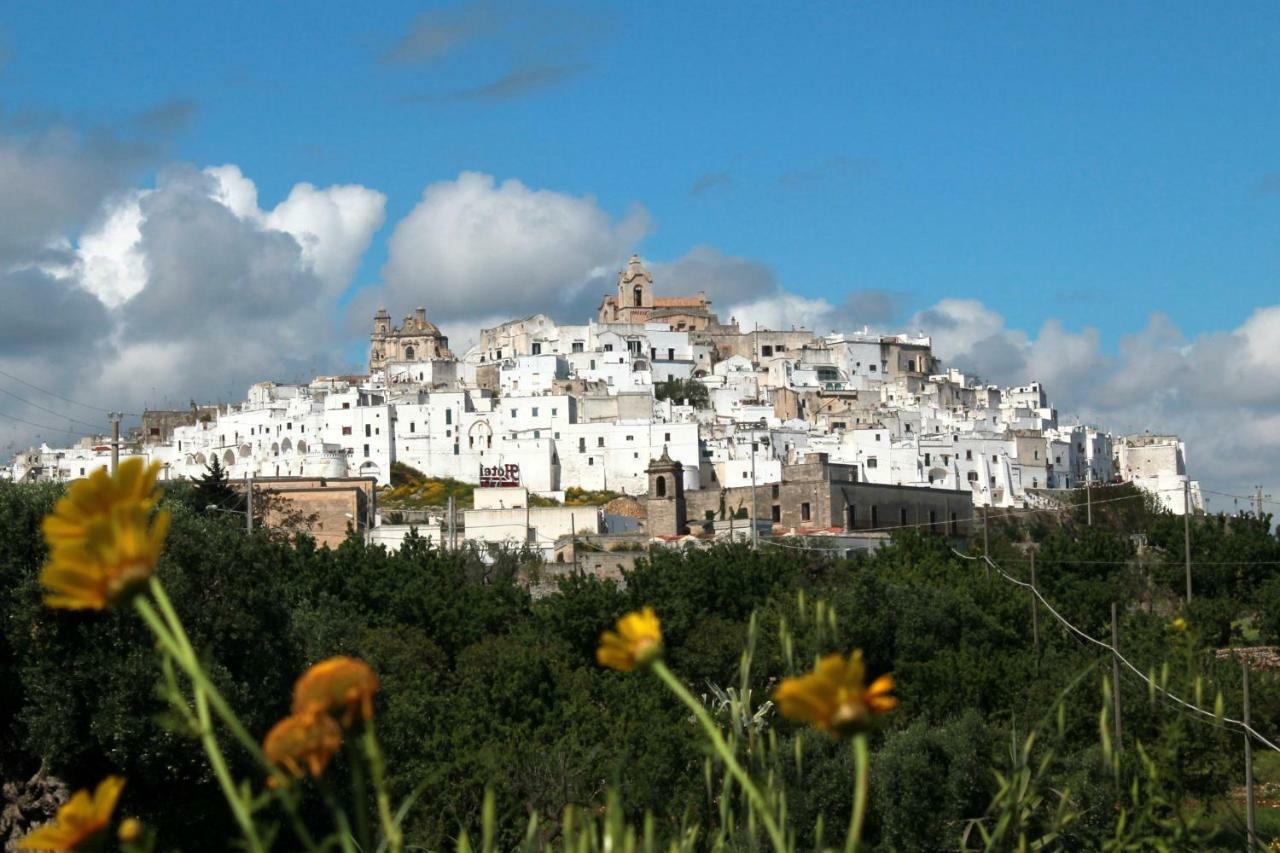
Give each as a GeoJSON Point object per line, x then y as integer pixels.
{"type": "Point", "coordinates": [499, 476]}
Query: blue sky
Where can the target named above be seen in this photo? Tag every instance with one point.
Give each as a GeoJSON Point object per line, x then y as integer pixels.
{"type": "Point", "coordinates": [1090, 162]}
{"type": "Point", "coordinates": [194, 197]}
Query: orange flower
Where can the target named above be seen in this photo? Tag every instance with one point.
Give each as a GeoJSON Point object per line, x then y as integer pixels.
{"type": "Point", "coordinates": [637, 641]}
{"type": "Point", "coordinates": [339, 684]}
{"type": "Point", "coordinates": [102, 540]}
{"type": "Point", "coordinates": [81, 818]}
{"type": "Point", "coordinates": [308, 739]}
{"type": "Point", "coordinates": [835, 696]}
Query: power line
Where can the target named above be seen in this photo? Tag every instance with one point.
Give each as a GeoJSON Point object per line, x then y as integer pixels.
{"type": "Point", "coordinates": [31, 423]}
{"type": "Point", "coordinates": [55, 394]}
{"type": "Point", "coordinates": [1208, 715]}
{"type": "Point", "coordinates": [50, 411]}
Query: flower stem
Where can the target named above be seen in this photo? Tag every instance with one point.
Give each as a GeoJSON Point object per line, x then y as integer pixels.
{"type": "Point", "coordinates": [178, 646]}
{"type": "Point", "coordinates": [390, 829]}
{"type": "Point", "coordinates": [861, 782]}
{"type": "Point", "coordinates": [207, 736]}
{"type": "Point", "coordinates": [360, 795]}
{"type": "Point", "coordinates": [726, 754]}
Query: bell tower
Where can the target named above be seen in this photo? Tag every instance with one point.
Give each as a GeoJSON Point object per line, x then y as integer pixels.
{"type": "Point", "coordinates": [665, 503]}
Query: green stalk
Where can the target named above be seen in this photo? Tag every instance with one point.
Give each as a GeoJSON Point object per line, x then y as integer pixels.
{"type": "Point", "coordinates": [390, 827]}
{"type": "Point", "coordinates": [207, 736]}
{"type": "Point", "coordinates": [726, 754]}
{"type": "Point", "coordinates": [358, 793]}
{"type": "Point", "coordinates": [861, 783]}
{"type": "Point", "coordinates": [178, 646]}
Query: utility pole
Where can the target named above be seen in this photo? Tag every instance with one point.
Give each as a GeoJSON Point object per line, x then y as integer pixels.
{"type": "Point", "coordinates": [1035, 609]}
{"type": "Point", "coordinates": [1250, 825]}
{"type": "Point", "coordinates": [1186, 532]}
{"type": "Point", "coordinates": [1088, 495]}
{"type": "Point", "coordinates": [115, 440]}
{"type": "Point", "coordinates": [449, 526]}
{"type": "Point", "coordinates": [755, 535]}
{"type": "Point", "coordinates": [249, 503]}
{"type": "Point", "coordinates": [1115, 670]}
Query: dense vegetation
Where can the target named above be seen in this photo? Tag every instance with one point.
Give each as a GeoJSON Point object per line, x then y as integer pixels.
{"type": "Point", "coordinates": [485, 687]}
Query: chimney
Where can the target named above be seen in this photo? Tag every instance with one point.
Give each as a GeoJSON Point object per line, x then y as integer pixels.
{"type": "Point", "coordinates": [420, 314]}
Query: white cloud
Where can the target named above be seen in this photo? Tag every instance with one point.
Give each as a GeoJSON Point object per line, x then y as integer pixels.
{"type": "Point", "coordinates": [473, 248]}
{"type": "Point", "coordinates": [783, 310]}
{"type": "Point", "coordinates": [110, 263]}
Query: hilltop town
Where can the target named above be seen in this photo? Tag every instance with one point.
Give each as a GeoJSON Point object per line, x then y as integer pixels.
{"type": "Point", "coordinates": [695, 422]}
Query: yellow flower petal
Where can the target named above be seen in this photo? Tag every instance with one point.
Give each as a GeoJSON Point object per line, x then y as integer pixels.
{"type": "Point", "coordinates": [638, 641]}
{"type": "Point", "coordinates": [78, 820]}
{"type": "Point", "coordinates": [834, 697]}
{"type": "Point", "coordinates": [103, 539]}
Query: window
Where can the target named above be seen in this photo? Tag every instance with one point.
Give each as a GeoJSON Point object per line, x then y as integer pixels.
{"type": "Point", "coordinates": [448, 416]}
{"type": "Point", "coordinates": [1037, 454]}
{"type": "Point", "coordinates": [368, 430]}
{"type": "Point", "coordinates": [666, 436]}
{"type": "Point", "coordinates": [537, 433]}
{"type": "Point", "coordinates": [662, 487]}
{"type": "Point", "coordinates": [553, 413]}
{"type": "Point", "coordinates": [780, 348]}
{"type": "Point", "coordinates": [773, 490]}
{"type": "Point", "coordinates": [638, 296]}
{"type": "Point", "coordinates": [408, 353]}
{"type": "Point", "coordinates": [877, 436]}
{"type": "Point", "coordinates": [345, 405]}
{"type": "Point", "coordinates": [582, 445]}
{"type": "Point", "coordinates": [607, 348]}
{"type": "Point", "coordinates": [872, 368]}
{"type": "Point", "coordinates": [804, 512]}
{"type": "Point", "coordinates": [456, 449]}
{"type": "Point", "coordinates": [994, 459]}
{"type": "Point", "coordinates": [871, 462]}
{"type": "Point", "coordinates": [534, 413]}
{"type": "Point", "coordinates": [513, 413]}
{"type": "Point", "coordinates": [775, 512]}
{"type": "Point", "coordinates": [591, 460]}
{"type": "Point", "coordinates": [412, 426]}
{"type": "Point", "coordinates": [155, 430]}
{"type": "Point", "coordinates": [926, 459]}
{"type": "Point", "coordinates": [346, 430]}
{"type": "Point", "coordinates": [600, 441]}
{"type": "Point", "coordinates": [631, 438]}
{"type": "Point", "coordinates": [968, 454]}
{"type": "Point", "coordinates": [766, 350]}
{"type": "Point", "coordinates": [973, 476]}
{"type": "Point", "coordinates": [577, 346]}
{"type": "Point", "coordinates": [671, 354]}
{"type": "Point", "coordinates": [366, 451]}
{"type": "Point", "coordinates": [537, 349]}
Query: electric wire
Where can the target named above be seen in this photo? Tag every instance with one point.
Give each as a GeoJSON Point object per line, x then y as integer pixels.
{"type": "Point", "coordinates": [36, 425]}
{"type": "Point", "coordinates": [1151, 685]}
{"type": "Point", "coordinates": [50, 411]}
{"type": "Point", "coordinates": [59, 396]}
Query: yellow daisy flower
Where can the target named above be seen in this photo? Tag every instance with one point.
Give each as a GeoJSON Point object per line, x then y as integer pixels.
{"type": "Point", "coordinates": [835, 697]}
{"type": "Point", "coordinates": [79, 819]}
{"type": "Point", "coordinates": [302, 740]}
{"type": "Point", "coordinates": [339, 684]}
{"type": "Point", "coordinates": [637, 641]}
{"type": "Point", "coordinates": [103, 542]}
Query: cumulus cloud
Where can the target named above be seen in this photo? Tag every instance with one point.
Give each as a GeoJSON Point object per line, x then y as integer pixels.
{"type": "Point", "coordinates": [184, 290]}
{"type": "Point", "coordinates": [1219, 390]}
{"type": "Point", "coordinates": [473, 247]}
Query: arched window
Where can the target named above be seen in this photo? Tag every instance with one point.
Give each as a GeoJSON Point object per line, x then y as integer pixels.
{"type": "Point", "coordinates": [662, 487]}
{"type": "Point", "coordinates": [408, 353]}
{"type": "Point", "coordinates": [639, 295]}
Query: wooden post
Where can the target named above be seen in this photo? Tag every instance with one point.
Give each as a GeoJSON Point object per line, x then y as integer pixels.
{"type": "Point", "coordinates": [1115, 670]}
{"type": "Point", "coordinates": [1035, 609]}
{"type": "Point", "coordinates": [1250, 824]}
{"type": "Point", "coordinates": [1186, 532]}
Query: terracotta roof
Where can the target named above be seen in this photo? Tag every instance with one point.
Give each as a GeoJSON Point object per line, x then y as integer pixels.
{"type": "Point", "coordinates": [679, 302]}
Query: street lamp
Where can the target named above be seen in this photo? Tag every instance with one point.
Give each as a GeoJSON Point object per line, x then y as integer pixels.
{"type": "Point", "coordinates": [247, 513]}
